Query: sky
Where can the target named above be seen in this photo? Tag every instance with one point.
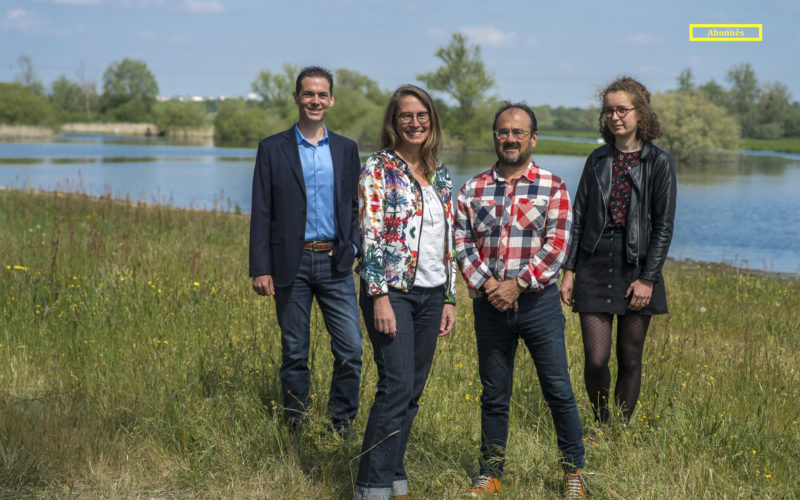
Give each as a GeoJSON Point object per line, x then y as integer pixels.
{"type": "Point", "coordinates": [541, 51]}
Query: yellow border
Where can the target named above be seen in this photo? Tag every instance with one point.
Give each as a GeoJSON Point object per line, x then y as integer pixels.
{"type": "Point", "coordinates": [748, 39]}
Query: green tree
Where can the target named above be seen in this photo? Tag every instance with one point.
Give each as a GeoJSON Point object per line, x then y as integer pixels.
{"type": "Point", "coordinates": [715, 93]}
{"type": "Point", "coordinates": [27, 76]}
{"type": "Point", "coordinates": [685, 80]}
{"type": "Point", "coordinates": [693, 125]}
{"type": "Point", "coordinates": [177, 115]}
{"type": "Point", "coordinates": [772, 109]}
{"type": "Point", "coordinates": [241, 124]}
{"type": "Point", "coordinates": [464, 79]}
{"type": "Point", "coordinates": [68, 97]}
{"type": "Point", "coordinates": [129, 91]}
{"type": "Point", "coordinates": [744, 92]}
{"type": "Point", "coordinates": [358, 108]}
{"type": "Point", "coordinates": [20, 105]}
{"type": "Point", "coordinates": [275, 90]}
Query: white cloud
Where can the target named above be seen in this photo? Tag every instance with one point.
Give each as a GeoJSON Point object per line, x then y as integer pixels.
{"type": "Point", "coordinates": [22, 20]}
{"type": "Point", "coordinates": [642, 39]}
{"type": "Point", "coordinates": [489, 35]}
{"type": "Point", "coordinates": [203, 6]}
{"type": "Point", "coordinates": [532, 42]}
{"type": "Point", "coordinates": [695, 61]}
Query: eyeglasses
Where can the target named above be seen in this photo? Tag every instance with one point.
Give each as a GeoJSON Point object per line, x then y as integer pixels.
{"type": "Point", "coordinates": [406, 118]}
{"type": "Point", "coordinates": [621, 112]}
{"type": "Point", "coordinates": [503, 133]}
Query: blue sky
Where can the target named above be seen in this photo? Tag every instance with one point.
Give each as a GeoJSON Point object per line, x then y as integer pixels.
{"type": "Point", "coordinates": [544, 52]}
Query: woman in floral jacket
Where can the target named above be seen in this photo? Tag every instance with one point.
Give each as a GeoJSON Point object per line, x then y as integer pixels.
{"type": "Point", "coordinates": [408, 273]}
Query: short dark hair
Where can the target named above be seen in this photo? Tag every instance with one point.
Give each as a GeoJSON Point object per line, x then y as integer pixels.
{"type": "Point", "coordinates": [313, 72]}
{"type": "Point", "coordinates": [516, 105]}
{"type": "Point", "coordinates": [648, 128]}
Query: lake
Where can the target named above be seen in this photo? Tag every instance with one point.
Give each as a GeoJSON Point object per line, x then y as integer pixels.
{"type": "Point", "coordinates": [741, 210]}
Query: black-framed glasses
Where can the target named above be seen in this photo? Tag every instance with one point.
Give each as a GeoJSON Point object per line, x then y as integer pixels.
{"type": "Point", "coordinates": [406, 118]}
{"type": "Point", "coordinates": [620, 111]}
{"type": "Point", "coordinates": [503, 133]}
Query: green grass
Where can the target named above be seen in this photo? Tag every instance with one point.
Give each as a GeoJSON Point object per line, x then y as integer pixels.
{"type": "Point", "coordinates": [556, 147]}
{"type": "Point", "coordinates": [138, 362]}
{"type": "Point", "coordinates": [584, 134]}
{"type": "Point", "coordinates": [779, 145]}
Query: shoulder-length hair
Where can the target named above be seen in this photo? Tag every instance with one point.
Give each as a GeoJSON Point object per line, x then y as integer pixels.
{"type": "Point", "coordinates": [648, 128]}
{"type": "Point", "coordinates": [390, 139]}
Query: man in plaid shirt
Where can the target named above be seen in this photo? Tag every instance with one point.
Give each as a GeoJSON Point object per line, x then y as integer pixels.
{"type": "Point", "coordinates": [512, 233]}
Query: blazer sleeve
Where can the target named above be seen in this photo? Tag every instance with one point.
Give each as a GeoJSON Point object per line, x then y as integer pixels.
{"type": "Point", "coordinates": [354, 165]}
{"type": "Point", "coordinates": [579, 215]}
{"type": "Point", "coordinates": [260, 217]}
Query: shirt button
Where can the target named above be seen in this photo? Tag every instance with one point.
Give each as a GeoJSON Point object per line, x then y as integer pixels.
{"type": "Point", "coordinates": [608, 301]}
{"type": "Point", "coordinates": [609, 286]}
{"type": "Point", "coordinates": [610, 254]}
{"type": "Point", "coordinates": [611, 270]}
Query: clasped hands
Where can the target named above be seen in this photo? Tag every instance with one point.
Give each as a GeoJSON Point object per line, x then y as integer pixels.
{"type": "Point", "coordinates": [502, 295]}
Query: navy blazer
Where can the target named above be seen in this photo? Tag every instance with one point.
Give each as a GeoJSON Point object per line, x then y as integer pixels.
{"type": "Point", "coordinates": [278, 216]}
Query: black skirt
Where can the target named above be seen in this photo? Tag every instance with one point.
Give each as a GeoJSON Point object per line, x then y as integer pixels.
{"type": "Point", "coordinates": [603, 277]}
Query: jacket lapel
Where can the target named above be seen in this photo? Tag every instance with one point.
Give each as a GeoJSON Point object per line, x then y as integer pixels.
{"type": "Point", "coordinates": [289, 148]}
{"type": "Point", "coordinates": [337, 157]}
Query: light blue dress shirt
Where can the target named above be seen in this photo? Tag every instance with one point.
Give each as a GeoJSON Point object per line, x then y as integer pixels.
{"type": "Point", "coordinates": [318, 176]}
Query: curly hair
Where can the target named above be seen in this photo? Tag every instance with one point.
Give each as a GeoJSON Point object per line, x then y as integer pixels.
{"type": "Point", "coordinates": [390, 139]}
{"type": "Point", "coordinates": [648, 128]}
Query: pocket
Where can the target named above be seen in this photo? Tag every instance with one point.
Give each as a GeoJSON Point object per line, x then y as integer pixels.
{"type": "Point", "coordinates": [484, 216]}
{"type": "Point", "coordinates": [530, 215]}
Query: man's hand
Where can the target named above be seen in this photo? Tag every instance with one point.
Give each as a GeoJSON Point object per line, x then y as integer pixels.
{"type": "Point", "coordinates": [639, 292]}
{"type": "Point", "coordinates": [384, 316]}
{"type": "Point", "coordinates": [565, 289]}
{"type": "Point", "coordinates": [448, 319]}
{"type": "Point", "coordinates": [504, 296]}
{"type": "Point", "coordinates": [262, 284]}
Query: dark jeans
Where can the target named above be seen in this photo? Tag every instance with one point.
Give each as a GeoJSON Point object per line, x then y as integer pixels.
{"type": "Point", "coordinates": [403, 363]}
{"type": "Point", "coordinates": [336, 296]}
{"type": "Point", "coordinates": [539, 322]}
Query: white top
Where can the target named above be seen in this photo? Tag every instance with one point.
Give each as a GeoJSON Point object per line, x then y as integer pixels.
{"type": "Point", "coordinates": [430, 267]}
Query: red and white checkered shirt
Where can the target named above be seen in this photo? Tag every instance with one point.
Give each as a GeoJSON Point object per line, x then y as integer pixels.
{"type": "Point", "coordinates": [505, 230]}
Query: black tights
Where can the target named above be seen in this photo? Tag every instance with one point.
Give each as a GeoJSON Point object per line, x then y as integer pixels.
{"type": "Point", "coordinates": [631, 332]}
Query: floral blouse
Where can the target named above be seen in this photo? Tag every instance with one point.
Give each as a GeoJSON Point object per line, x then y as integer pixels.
{"type": "Point", "coordinates": [390, 206]}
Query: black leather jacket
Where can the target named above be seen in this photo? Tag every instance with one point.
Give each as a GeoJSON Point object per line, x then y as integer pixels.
{"type": "Point", "coordinates": [651, 213]}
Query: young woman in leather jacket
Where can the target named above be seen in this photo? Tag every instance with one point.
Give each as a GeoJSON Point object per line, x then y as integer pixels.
{"type": "Point", "coordinates": [623, 219]}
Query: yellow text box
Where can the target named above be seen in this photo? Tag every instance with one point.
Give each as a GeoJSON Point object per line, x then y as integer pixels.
{"type": "Point", "coordinates": [726, 32]}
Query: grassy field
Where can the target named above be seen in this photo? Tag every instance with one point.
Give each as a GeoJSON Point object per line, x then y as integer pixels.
{"type": "Point", "coordinates": [138, 362]}
{"type": "Point", "coordinates": [779, 145]}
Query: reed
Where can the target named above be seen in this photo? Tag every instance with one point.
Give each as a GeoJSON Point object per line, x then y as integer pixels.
{"type": "Point", "coordinates": [138, 362]}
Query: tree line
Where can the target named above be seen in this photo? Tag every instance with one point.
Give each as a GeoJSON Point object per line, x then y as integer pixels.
{"type": "Point", "coordinates": [694, 117]}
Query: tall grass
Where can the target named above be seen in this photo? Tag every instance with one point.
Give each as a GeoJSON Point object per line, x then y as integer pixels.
{"type": "Point", "coordinates": [137, 361]}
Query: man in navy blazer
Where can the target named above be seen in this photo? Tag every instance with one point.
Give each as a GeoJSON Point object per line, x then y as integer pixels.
{"type": "Point", "coordinates": [303, 239]}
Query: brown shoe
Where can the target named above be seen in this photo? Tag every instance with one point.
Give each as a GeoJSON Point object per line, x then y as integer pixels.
{"type": "Point", "coordinates": [400, 497]}
{"type": "Point", "coordinates": [484, 484]}
{"type": "Point", "coordinates": [575, 485]}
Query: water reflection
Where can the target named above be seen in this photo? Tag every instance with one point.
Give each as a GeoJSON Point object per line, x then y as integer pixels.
{"type": "Point", "coordinates": [742, 210]}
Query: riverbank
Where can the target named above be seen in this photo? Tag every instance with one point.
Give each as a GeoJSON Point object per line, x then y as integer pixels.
{"type": "Point", "coordinates": [140, 365]}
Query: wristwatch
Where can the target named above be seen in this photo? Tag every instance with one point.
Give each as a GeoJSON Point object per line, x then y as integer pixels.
{"type": "Point", "coordinates": [522, 283]}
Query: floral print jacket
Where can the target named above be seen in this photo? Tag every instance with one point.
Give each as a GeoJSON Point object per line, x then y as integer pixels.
{"type": "Point", "coordinates": [390, 206]}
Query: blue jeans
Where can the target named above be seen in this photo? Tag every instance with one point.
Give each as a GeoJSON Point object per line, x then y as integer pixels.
{"type": "Point", "coordinates": [403, 364]}
{"type": "Point", "coordinates": [539, 322]}
{"type": "Point", "coordinates": [336, 296]}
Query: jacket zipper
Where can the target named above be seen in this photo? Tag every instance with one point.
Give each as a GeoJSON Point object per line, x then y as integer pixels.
{"type": "Point", "coordinates": [605, 213]}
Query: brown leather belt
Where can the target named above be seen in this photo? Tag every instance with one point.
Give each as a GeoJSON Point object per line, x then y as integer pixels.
{"type": "Point", "coordinates": [318, 246]}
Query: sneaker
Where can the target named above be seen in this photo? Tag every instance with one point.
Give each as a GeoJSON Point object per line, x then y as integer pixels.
{"type": "Point", "coordinates": [484, 484]}
{"type": "Point", "coordinates": [575, 485]}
